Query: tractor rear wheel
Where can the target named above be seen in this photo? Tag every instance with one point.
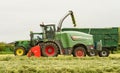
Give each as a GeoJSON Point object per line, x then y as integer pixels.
{"type": "Point", "coordinates": [19, 51]}
{"type": "Point", "coordinates": [49, 49]}
{"type": "Point", "coordinates": [79, 52]}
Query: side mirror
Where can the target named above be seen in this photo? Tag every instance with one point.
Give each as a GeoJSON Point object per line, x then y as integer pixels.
{"type": "Point", "coordinates": [42, 25]}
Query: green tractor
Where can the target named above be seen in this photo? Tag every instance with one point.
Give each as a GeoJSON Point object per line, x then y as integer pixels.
{"type": "Point", "coordinates": [54, 42]}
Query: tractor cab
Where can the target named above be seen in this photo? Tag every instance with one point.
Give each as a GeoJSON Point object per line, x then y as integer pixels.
{"type": "Point", "coordinates": [48, 31]}
{"type": "Point", "coordinates": [35, 38]}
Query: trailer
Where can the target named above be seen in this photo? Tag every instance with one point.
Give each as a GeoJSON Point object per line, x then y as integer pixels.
{"type": "Point", "coordinates": [108, 36]}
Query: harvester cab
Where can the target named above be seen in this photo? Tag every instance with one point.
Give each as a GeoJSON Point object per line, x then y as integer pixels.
{"type": "Point", "coordinates": [48, 31]}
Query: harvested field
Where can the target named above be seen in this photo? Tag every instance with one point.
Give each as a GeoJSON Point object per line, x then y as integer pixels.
{"type": "Point", "coordinates": [61, 64]}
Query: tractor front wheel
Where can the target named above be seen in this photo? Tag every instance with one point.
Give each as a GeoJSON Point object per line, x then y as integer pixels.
{"type": "Point", "coordinates": [79, 52]}
{"type": "Point", "coordinates": [19, 51]}
{"type": "Point", "coordinates": [49, 49]}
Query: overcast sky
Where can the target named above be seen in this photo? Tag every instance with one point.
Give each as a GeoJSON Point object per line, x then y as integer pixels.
{"type": "Point", "coordinates": [19, 17]}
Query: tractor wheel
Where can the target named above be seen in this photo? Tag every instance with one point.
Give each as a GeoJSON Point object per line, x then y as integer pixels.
{"type": "Point", "coordinates": [104, 53]}
{"type": "Point", "coordinates": [49, 50]}
{"type": "Point", "coordinates": [92, 53]}
{"type": "Point", "coordinates": [19, 51]}
{"type": "Point", "coordinates": [79, 52]}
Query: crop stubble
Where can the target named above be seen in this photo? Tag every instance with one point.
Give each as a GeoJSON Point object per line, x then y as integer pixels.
{"type": "Point", "coordinates": [60, 64]}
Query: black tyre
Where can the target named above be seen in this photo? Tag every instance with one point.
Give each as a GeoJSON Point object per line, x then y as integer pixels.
{"type": "Point", "coordinates": [92, 53]}
{"type": "Point", "coordinates": [19, 51]}
{"type": "Point", "coordinates": [49, 49]}
{"type": "Point", "coordinates": [41, 46]}
{"type": "Point", "coordinates": [79, 52]}
{"type": "Point", "coordinates": [104, 53]}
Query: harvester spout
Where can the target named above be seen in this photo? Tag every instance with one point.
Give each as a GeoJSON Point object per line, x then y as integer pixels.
{"type": "Point", "coordinates": [61, 21]}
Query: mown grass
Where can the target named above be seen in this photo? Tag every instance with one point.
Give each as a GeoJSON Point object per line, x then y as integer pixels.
{"type": "Point", "coordinates": [60, 64]}
{"type": "Point", "coordinates": [6, 52]}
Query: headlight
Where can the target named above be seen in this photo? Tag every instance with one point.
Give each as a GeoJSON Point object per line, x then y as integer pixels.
{"type": "Point", "coordinates": [75, 37]}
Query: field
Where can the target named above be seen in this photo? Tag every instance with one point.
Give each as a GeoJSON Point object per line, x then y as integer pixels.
{"type": "Point", "coordinates": [61, 64]}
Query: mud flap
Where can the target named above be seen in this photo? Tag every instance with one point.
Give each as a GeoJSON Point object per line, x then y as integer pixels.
{"type": "Point", "coordinates": [35, 51]}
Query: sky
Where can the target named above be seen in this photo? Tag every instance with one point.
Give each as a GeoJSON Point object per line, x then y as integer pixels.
{"type": "Point", "coordinates": [19, 17]}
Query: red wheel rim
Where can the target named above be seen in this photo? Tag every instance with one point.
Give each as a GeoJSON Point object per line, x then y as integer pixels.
{"type": "Point", "coordinates": [79, 53]}
{"type": "Point", "coordinates": [50, 51]}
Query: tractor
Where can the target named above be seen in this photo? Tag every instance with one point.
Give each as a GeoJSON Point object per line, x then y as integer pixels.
{"type": "Point", "coordinates": [54, 42]}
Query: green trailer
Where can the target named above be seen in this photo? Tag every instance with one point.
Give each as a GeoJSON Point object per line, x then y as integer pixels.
{"type": "Point", "coordinates": [108, 36]}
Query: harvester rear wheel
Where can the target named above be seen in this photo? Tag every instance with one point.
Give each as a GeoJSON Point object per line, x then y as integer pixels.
{"type": "Point", "coordinates": [79, 52]}
{"type": "Point", "coordinates": [19, 51]}
{"type": "Point", "coordinates": [49, 49]}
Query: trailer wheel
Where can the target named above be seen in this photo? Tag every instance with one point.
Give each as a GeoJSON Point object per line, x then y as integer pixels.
{"type": "Point", "coordinates": [92, 53]}
{"type": "Point", "coordinates": [49, 50]}
{"type": "Point", "coordinates": [19, 51]}
{"type": "Point", "coordinates": [104, 53]}
{"type": "Point", "coordinates": [79, 52]}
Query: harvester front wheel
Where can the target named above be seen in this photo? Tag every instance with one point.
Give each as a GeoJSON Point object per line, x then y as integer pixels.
{"type": "Point", "coordinates": [79, 52]}
{"type": "Point", "coordinates": [19, 51]}
{"type": "Point", "coordinates": [49, 49]}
